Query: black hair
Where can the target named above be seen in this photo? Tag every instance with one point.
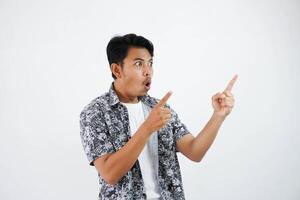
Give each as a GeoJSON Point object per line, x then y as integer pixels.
{"type": "Point", "coordinates": [117, 47]}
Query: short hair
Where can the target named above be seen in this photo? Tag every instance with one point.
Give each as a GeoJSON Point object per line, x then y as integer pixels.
{"type": "Point", "coordinates": [117, 47]}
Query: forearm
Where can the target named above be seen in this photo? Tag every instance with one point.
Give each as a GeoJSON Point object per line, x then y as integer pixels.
{"type": "Point", "coordinates": [120, 162]}
{"type": "Point", "coordinates": [205, 138]}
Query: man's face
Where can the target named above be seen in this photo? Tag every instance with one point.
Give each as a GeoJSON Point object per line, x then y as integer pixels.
{"type": "Point", "coordinates": [137, 72]}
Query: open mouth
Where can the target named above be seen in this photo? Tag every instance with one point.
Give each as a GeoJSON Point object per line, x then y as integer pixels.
{"type": "Point", "coordinates": [147, 85]}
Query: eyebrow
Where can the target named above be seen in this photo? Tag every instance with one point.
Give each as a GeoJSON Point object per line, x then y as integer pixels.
{"type": "Point", "coordinates": [142, 59]}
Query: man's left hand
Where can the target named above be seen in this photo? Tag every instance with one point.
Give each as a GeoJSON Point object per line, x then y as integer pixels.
{"type": "Point", "coordinates": [224, 102]}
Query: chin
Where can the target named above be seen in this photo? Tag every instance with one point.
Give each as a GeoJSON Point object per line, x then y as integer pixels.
{"type": "Point", "coordinates": [144, 93]}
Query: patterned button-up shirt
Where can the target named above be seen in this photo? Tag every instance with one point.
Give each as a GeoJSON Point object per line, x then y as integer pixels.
{"type": "Point", "coordinates": [104, 128]}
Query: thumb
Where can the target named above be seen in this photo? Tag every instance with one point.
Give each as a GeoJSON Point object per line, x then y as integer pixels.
{"type": "Point", "coordinates": [218, 96]}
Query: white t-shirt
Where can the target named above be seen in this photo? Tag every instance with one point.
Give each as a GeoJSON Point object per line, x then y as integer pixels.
{"type": "Point", "coordinates": [137, 114]}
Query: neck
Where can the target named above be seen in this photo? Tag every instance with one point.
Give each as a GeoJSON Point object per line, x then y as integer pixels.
{"type": "Point", "coordinates": [123, 97]}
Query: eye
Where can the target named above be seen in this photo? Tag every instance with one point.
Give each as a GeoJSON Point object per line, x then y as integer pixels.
{"type": "Point", "coordinates": [151, 63]}
{"type": "Point", "coordinates": [138, 64]}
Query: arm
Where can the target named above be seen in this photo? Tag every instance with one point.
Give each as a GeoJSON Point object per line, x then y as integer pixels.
{"type": "Point", "coordinates": [113, 166]}
{"type": "Point", "coordinates": [196, 148]}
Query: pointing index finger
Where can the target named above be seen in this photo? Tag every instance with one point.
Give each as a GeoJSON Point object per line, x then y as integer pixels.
{"type": "Point", "coordinates": [231, 83]}
{"type": "Point", "coordinates": [164, 100]}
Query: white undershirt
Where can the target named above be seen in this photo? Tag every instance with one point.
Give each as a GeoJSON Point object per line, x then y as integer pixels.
{"type": "Point", "coordinates": [137, 113]}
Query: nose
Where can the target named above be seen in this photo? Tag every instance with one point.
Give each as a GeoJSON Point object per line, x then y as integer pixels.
{"type": "Point", "coordinates": [147, 70]}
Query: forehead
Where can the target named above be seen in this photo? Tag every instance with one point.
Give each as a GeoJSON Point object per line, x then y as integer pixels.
{"type": "Point", "coordinates": [136, 52]}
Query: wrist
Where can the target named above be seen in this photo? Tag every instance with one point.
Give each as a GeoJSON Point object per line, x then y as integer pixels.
{"type": "Point", "coordinates": [217, 116]}
{"type": "Point", "coordinates": [145, 128]}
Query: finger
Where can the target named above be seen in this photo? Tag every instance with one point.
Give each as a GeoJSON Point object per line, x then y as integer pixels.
{"type": "Point", "coordinates": [228, 96]}
{"type": "Point", "coordinates": [228, 99]}
{"type": "Point", "coordinates": [165, 110]}
{"type": "Point", "coordinates": [219, 96]}
{"type": "Point", "coordinates": [228, 102]}
{"type": "Point", "coordinates": [165, 121]}
{"type": "Point", "coordinates": [224, 105]}
{"type": "Point", "coordinates": [228, 93]}
{"type": "Point", "coordinates": [164, 100]}
{"type": "Point", "coordinates": [167, 116]}
{"type": "Point", "coordinates": [231, 83]}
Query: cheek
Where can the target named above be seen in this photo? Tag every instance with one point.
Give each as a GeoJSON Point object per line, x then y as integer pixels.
{"type": "Point", "coordinates": [133, 81]}
{"type": "Point", "coordinates": [130, 74]}
{"type": "Point", "coordinates": [134, 73]}
{"type": "Point", "coordinates": [151, 73]}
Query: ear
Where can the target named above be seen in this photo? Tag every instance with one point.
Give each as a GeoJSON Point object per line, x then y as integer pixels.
{"type": "Point", "coordinates": [116, 70]}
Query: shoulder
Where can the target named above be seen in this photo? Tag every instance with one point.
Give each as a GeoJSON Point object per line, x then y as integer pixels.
{"type": "Point", "coordinates": [95, 108]}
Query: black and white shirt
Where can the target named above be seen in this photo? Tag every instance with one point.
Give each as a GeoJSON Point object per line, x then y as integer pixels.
{"type": "Point", "coordinates": [104, 128]}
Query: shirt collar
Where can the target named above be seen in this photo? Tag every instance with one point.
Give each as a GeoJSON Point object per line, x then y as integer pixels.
{"type": "Point", "coordinates": [114, 99]}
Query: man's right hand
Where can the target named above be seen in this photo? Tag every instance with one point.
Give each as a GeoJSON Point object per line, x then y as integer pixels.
{"type": "Point", "coordinates": [159, 115]}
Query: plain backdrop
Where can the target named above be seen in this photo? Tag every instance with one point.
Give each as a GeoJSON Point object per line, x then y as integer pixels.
{"type": "Point", "coordinates": [53, 62]}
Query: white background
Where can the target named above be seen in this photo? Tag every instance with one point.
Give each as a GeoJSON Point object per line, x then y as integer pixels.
{"type": "Point", "coordinates": [53, 62]}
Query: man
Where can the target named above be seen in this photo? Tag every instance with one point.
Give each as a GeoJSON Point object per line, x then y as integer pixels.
{"type": "Point", "coordinates": [132, 138]}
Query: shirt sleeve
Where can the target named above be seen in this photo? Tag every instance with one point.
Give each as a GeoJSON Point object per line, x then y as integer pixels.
{"type": "Point", "coordinates": [94, 136]}
{"type": "Point", "coordinates": [179, 128]}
